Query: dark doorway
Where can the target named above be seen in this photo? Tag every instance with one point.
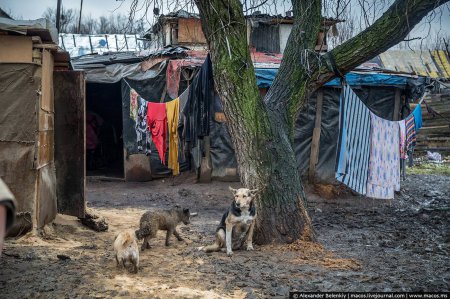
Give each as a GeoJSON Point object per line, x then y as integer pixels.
{"type": "Point", "coordinates": [104, 143]}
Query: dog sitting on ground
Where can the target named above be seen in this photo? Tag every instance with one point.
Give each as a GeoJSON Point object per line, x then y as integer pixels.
{"type": "Point", "coordinates": [237, 224]}
{"type": "Point", "coordinates": [126, 250]}
{"type": "Point", "coordinates": [152, 221]}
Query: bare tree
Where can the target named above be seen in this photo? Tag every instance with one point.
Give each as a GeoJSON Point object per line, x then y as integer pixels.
{"type": "Point", "coordinates": [68, 18]}
{"type": "Point", "coordinates": [88, 25]}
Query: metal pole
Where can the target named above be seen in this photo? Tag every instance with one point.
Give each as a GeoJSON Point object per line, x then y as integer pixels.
{"type": "Point", "coordinates": [79, 20]}
{"type": "Point", "coordinates": [58, 14]}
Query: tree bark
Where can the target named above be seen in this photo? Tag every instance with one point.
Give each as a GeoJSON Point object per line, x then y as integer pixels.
{"type": "Point", "coordinates": [264, 153]}
{"type": "Point", "coordinates": [262, 130]}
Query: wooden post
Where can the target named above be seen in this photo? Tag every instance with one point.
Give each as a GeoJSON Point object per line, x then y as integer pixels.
{"type": "Point", "coordinates": [397, 105]}
{"type": "Point", "coordinates": [206, 164]}
{"type": "Point", "coordinates": [314, 156]}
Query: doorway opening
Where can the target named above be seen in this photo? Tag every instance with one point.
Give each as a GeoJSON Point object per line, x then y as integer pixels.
{"type": "Point", "coordinates": [104, 141]}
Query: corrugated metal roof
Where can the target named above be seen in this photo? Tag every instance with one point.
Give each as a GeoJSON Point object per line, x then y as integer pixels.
{"type": "Point", "coordinates": [434, 64]}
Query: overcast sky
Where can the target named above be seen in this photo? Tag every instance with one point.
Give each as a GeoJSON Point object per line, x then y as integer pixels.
{"type": "Point", "coordinates": [33, 9]}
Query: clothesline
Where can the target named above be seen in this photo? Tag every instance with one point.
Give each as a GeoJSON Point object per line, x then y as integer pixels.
{"type": "Point", "coordinates": [418, 103]}
{"type": "Point", "coordinates": [370, 148]}
{"type": "Point", "coordinates": [148, 100]}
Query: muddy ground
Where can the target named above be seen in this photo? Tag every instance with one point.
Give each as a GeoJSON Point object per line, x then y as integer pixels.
{"type": "Point", "coordinates": [366, 245]}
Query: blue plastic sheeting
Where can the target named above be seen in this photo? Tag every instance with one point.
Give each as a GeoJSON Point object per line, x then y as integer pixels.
{"type": "Point", "coordinates": [265, 77]}
{"type": "Point", "coordinates": [354, 79]}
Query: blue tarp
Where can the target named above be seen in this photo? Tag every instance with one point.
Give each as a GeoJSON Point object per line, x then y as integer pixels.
{"type": "Point", "coordinates": [265, 77]}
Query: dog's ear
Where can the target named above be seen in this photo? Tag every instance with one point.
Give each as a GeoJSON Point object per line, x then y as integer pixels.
{"type": "Point", "coordinates": [232, 190]}
{"type": "Point", "coordinates": [186, 211]}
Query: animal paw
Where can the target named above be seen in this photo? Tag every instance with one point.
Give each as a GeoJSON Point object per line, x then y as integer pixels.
{"type": "Point", "coordinates": [250, 247]}
{"type": "Point", "coordinates": [230, 253]}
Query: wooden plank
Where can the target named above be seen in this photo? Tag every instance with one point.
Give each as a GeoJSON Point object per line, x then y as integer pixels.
{"type": "Point", "coordinates": [16, 48]}
{"type": "Point", "coordinates": [190, 31]}
{"type": "Point", "coordinates": [206, 163]}
{"type": "Point", "coordinates": [46, 121]}
{"type": "Point", "coordinates": [70, 142]}
{"type": "Point", "coordinates": [314, 156]}
{"type": "Point", "coordinates": [36, 39]}
{"type": "Point", "coordinates": [47, 82]}
{"type": "Point", "coordinates": [50, 47]}
{"type": "Point", "coordinates": [45, 148]}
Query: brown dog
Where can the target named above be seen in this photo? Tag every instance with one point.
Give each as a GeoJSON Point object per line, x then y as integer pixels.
{"type": "Point", "coordinates": [237, 224]}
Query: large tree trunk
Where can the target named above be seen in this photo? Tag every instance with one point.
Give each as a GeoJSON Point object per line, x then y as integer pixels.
{"type": "Point", "coordinates": [259, 132]}
{"type": "Point", "coordinates": [262, 130]}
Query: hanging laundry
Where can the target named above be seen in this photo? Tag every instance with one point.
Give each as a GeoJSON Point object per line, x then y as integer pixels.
{"type": "Point", "coordinates": [142, 135]}
{"type": "Point", "coordinates": [133, 104]}
{"type": "Point", "coordinates": [197, 110]}
{"type": "Point", "coordinates": [402, 141]}
{"type": "Point", "coordinates": [410, 127]}
{"type": "Point", "coordinates": [183, 98]}
{"type": "Point", "coordinates": [173, 109]}
{"type": "Point", "coordinates": [157, 125]}
{"type": "Point", "coordinates": [353, 149]}
{"type": "Point", "coordinates": [417, 112]}
{"type": "Point", "coordinates": [384, 163]}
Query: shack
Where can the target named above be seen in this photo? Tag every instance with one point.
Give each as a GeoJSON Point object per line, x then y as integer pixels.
{"type": "Point", "coordinates": [32, 116]}
{"type": "Point", "coordinates": [159, 76]}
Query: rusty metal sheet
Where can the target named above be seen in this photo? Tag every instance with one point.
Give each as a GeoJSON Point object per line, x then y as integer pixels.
{"type": "Point", "coordinates": [420, 62]}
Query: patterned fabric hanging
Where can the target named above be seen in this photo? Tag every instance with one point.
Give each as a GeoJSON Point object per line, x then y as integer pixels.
{"type": "Point", "coordinates": [352, 158]}
{"type": "Point", "coordinates": [384, 163]}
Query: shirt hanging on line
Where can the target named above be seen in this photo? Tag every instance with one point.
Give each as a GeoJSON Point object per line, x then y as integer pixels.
{"type": "Point", "coordinates": [353, 149]}
{"type": "Point", "coordinates": [157, 125]}
{"type": "Point", "coordinates": [173, 108]}
{"type": "Point", "coordinates": [410, 132]}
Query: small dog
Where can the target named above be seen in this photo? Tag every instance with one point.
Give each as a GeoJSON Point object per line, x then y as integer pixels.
{"type": "Point", "coordinates": [126, 249]}
{"type": "Point", "coordinates": [237, 223]}
{"type": "Point", "coordinates": [152, 221]}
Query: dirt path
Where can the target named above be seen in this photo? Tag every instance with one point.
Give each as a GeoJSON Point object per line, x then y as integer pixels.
{"type": "Point", "coordinates": [368, 245]}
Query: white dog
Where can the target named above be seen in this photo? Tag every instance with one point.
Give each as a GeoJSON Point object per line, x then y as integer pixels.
{"type": "Point", "coordinates": [126, 249]}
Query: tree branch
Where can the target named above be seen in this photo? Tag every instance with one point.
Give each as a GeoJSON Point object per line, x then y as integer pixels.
{"type": "Point", "coordinates": [390, 29]}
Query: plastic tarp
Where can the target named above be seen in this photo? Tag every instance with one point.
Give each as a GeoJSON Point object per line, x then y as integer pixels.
{"type": "Point", "coordinates": [265, 77]}
{"type": "Point", "coordinates": [221, 149]}
{"type": "Point", "coordinates": [115, 72]}
{"type": "Point", "coordinates": [32, 186]}
{"type": "Point", "coordinates": [380, 100]}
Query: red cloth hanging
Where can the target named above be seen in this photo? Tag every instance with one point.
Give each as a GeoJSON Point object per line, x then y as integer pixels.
{"type": "Point", "coordinates": [157, 126]}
